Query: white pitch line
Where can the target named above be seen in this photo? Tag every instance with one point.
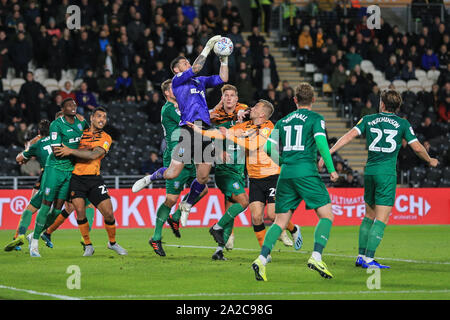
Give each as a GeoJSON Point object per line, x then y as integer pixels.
{"type": "Point", "coordinates": [303, 293]}
{"type": "Point", "coordinates": [57, 296]}
{"type": "Point", "coordinates": [326, 254]}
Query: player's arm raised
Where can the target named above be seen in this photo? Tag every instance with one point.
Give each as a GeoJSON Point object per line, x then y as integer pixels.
{"type": "Point", "coordinates": [201, 59]}
{"type": "Point", "coordinates": [85, 154]}
{"type": "Point", "coordinates": [223, 71]}
{"type": "Point", "coordinates": [345, 139]}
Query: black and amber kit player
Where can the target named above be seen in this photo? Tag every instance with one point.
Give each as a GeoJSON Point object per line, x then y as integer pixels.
{"type": "Point", "coordinates": [87, 183]}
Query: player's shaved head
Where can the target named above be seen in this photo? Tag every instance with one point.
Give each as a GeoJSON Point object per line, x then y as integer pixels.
{"type": "Point", "coordinates": [304, 94]}
{"type": "Point", "coordinates": [392, 100]}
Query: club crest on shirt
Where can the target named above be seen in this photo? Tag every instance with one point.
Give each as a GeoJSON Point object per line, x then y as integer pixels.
{"type": "Point", "coordinates": [236, 185]}
{"type": "Point", "coordinates": [54, 135]}
{"type": "Point", "coordinates": [265, 132]}
{"type": "Point", "coordinates": [176, 184]}
{"type": "Point", "coordinates": [47, 191]}
{"type": "Point", "coordinates": [80, 127]}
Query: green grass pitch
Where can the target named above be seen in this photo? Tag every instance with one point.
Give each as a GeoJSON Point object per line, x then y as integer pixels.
{"type": "Point", "coordinates": [418, 255]}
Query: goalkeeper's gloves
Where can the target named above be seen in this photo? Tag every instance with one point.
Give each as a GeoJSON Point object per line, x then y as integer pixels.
{"type": "Point", "coordinates": [210, 45]}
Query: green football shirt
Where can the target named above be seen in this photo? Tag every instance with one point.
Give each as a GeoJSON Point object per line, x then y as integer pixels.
{"type": "Point", "coordinates": [384, 133]}
{"type": "Point", "coordinates": [170, 119]}
{"type": "Point", "coordinates": [62, 132]}
{"type": "Point", "coordinates": [41, 150]}
{"type": "Point", "coordinates": [295, 135]}
{"type": "Point", "coordinates": [236, 163]}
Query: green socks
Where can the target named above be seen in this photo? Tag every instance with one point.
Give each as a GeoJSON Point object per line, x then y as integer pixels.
{"type": "Point", "coordinates": [375, 236]}
{"type": "Point", "coordinates": [161, 216]}
{"type": "Point", "coordinates": [41, 219]}
{"type": "Point", "coordinates": [227, 230]}
{"type": "Point", "coordinates": [25, 221]}
{"type": "Point", "coordinates": [230, 214]}
{"type": "Point", "coordinates": [322, 234]}
{"type": "Point", "coordinates": [270, 239]}
{"type": "Point", "coordinates": [90, 212]}
{"type": "Point", "coordinates": [51, 217]}
{"type": "Point", "coordinates": [364, 229]}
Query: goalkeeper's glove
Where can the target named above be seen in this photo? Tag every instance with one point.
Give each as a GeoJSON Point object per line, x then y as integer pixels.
{"type": "Point", "coordinates": [210, 45]}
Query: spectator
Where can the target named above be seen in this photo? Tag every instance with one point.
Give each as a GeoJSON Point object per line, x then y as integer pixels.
{"type": "Point", "coordinates": [245, 57]}
{"type": "Point", "coordinates": [52, 30]}
{"type": "Point", "coordinates": [428, 129]}
{"type": "Point", "coordinates": [4, 54]}
{"type": "Point", "coordinates": [287, 104]}
{"type": "Point", "coordinates": [154, 107]}
{"type": "Point", "coordinates": [256, 43]}
{"type": "Point", "coordinates": [85, 54]}
{"type": "Point", "coordinates": [392, 71]}
{"type": "Point", "coordinates": [159, 75]}
{"type": "Point", "coordinates": [338, 80]}
{"type": "Point", "coordinates": [430, 60]}
{"type": "Point", "coordinates": [368, 109]}
{"type": "Point", "coordinates": [85, 99]}
{"type": "Point", "coordinates": [9, 136]}
{"type": "Point", "coordinates": [68, 45]}
{"type": "Point", "coordinates": [353, 94]}
{"type": "Point", "coordinates": [380, 58]}
{"type": "Point", "coordinates": [169, 52]}
{"type": "Point", "coordinates": [22, 133]}
{"type": "Point", "coordinates": [236, 37]}
{"type": "Point", "coordinates": [31, 94]}
{"type": "Point", "coordinates": [305, 41]}
{"type": "Point", "coordinates": [54, 107]}
{"type": "Point", "coordinates": [21, 54]}
{"type": "Point", "coordinates": [352, 58]}
{"type": "Point", "coordinates": [66, 91]}
{"type": "Point", "coordinates": [125, 53]}
{"type": "Point", "coordinates": [406, 157]}
{"type": "Point", "coordinates": [91, 80]}
{"type": "Point", "coordinates": [12, 111]}
{"type": "Point", "coordinates": [266, 75]}
{"type": "Point", "coordinates": [444, 77]}
{"type": "Point", "coordinates": [414, 56]}
{"type": "Point", "coordinates": [350, 181]}
{"type": "Point", "coordinates": [140, 85]}
{"type": "Point", "coordinates": [374, 98]}
{"type": "Point", "coordinates": [444, 110]}
{"type": "Point", "coordinates": [103, 41]}
{"type": "Point", "coordinates": [189, 10]}
{"type": "Point", "coordinates": [135, 29]}
{"type": "Point", "coordinates": [124, 87]}
{"type": "Point", "coordinates": [106, 86]}
{"type": "Point", "coordinates": [408, 71]}
{"type": "Point", "coordinates": [245, 88]}
{"type": "Point", "coordinates": [443, 57]}
{"type": "Point", "coordinates": [107, 60]}
{"type": "Point", "coordinates": [56, 58]}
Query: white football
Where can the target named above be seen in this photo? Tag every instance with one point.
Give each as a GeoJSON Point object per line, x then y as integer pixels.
{"type": "Point", "coordinates": [223, 47]}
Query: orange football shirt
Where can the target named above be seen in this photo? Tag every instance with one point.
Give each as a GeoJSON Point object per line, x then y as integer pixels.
{"type": "Point", "coordinates": [91, 140]}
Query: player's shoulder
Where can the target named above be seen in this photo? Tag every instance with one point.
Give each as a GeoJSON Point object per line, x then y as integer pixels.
{"type": "Point", "coordinates": [268, 124]}
{"type": "Point", "coordinates": [106, 136]}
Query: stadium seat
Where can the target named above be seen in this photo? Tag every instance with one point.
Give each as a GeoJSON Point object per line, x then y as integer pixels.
{"type": "Point", "coordinates": [400, 85]}
{"type": "Point", "coordinates": [77, 83]}
{"type": "Point", "coordinates": [384, 85]}
{"type": "Point", "coordinates": [426, 84]}
{"type": "Point", "coordinates": [6, 84]}
{"type": "Point", "coordinates": [317, 78]}
{"type": "Point", "coordinates": [11, 73]}
{"type": "Point", "coordinates": [434, 174]}
{"type": "Point", "coordinates": [433, 75]}
{"type": "Point", "coordinates": [367, 66]}
{"type": "Point", "coordinates": [16, 84]}
{"type": "Point", "coordinates": [377, 74]}
{"type": "Point", "coordinates": [420, 74]}
{"type": "Point", "coordinates": [414, 86]}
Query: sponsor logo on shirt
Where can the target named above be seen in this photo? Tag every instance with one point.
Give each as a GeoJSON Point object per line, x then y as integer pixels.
{"type": "Point", "coordinates": [195, 91]}
{"type": "Point", "coordinates": [70, 130]}
{"type": "Point", "coordinates": [74, 140]}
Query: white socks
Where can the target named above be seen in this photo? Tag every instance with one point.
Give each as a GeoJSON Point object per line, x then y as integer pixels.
{"type": "Point", "coordinates": [317, 256]}
{"type": "Point", "coordinates": [262, 259]}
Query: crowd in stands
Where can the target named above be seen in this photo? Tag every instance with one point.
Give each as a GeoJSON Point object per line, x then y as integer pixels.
{"type": "Point", "coordinates": [122, 52]}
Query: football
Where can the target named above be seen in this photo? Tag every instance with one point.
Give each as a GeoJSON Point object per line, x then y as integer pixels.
{"type": "Point", "coordinates": [223, 47]}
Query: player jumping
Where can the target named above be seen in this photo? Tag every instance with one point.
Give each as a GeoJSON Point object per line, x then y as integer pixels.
{"type": "Point", "coordinates": [189, 91]}
{"type": "Point", "coordinates": [384, 132]}
{"type": "Point", "coordinates": [294, 143]}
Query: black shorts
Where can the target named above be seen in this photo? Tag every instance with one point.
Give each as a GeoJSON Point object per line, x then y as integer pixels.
{"type": "Point", "coordinates": [91, 187]}
{"type": "Point", "coordinates": [264, 189]}
{"type": "Point", "coordinates": [193, 146]}
{"type": "Point", "coordinates": [37, 184]}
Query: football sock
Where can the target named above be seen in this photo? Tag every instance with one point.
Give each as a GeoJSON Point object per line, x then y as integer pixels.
{"type": "Point", "coordinates": [177, 214]}
{"type": "Point", "coordinates": [111, 230]}
{"type": "Point", "coordinates": [322, 234]}
{"type": "Point", "coordinates": [260, 232]}
{"type": "Point", "coordinates": [270, 239]}
{"type": "Point", "coordinates": [196, 189]}
{"type": "Point", "coordinates": [291, 227]}
{"type": "Point", "coordinates": [375, 236]}
{"type": "Point", "coordinates": [65, 214]}
{"type": "Point", "coordinates": [364, 230]}
{"type": "Point", "coordinates": [83, 225]}
{"type": "Point", "coordinates": [230, 214]}
{"type": "Point", "coordinates": [227, 230]}
{"type": "Point", "coordinates": [161, 217]}
{"type": "Point", "coordinates": [158, 174]}
{"type": "Point", "coordinates": [51, 217]}
{"type": "Point", "coordinates": [59, 221]}
{"type": "Point", "coordinates": [219, 249]}
{"type": "Point", "coordinates": [25, 221]}
{"type": "Point", "coordinates": [90, 212]}
{"type": "Point", "coordinates": [41, 219]}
